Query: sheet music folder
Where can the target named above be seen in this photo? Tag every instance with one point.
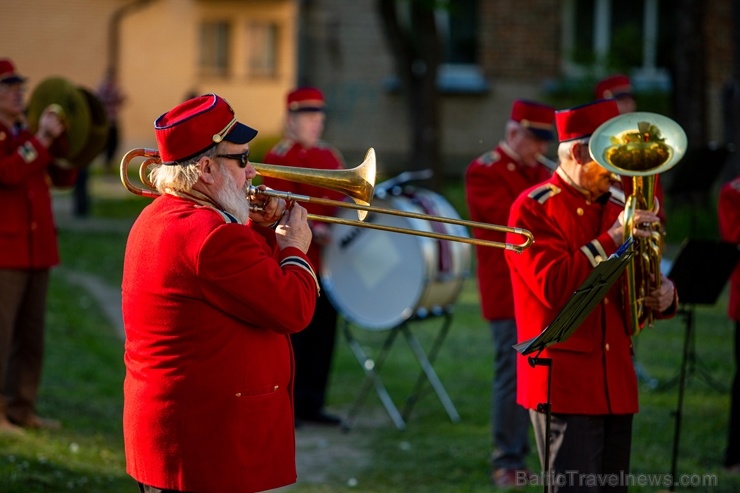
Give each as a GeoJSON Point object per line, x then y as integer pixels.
{"type": "Point", "coordinates": [583, 301]}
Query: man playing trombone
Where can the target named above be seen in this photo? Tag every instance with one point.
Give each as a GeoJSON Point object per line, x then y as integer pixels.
{"type": "Point", "coordinates": [211, 293]}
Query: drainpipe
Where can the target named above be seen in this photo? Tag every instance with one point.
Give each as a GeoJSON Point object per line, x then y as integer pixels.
{"type": "Point", "coordinates": [114, 32]}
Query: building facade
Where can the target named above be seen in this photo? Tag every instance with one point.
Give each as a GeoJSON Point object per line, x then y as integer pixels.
{"type": "Point", "coordinates": [253, 51]}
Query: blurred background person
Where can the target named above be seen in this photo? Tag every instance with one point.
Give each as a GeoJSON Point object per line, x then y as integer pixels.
{"type": "Point", "coordinates": [301, 146]}
{"type": "Point", "coordinates": [210, 293]}
{"type": "Point", "coordinates": [28, 248]}
{"type": "Point", "coordinates": [729, 228]}
{"type": "Point", "coordinates": [593, 387]}
{"type": "Point", "coordinates": [619, 88]}
{"type": "Point", "coordinates": [112, 97]}
{"type": "Point", "coordinates": [492, 182]}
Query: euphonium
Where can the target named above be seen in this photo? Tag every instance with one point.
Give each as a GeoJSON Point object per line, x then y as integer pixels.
{"type": "Point", "coordinates": [641, 145]}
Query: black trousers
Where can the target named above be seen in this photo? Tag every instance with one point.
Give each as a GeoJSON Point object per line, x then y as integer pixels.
{"type": "Point", "coordinates": [588, 454]}
{"type": "Point", "coordinates": [314, 350]}
{"type": "Point", "coordinates": [22, 326]}
{"type": "Point", "coordinates": [143, 488]}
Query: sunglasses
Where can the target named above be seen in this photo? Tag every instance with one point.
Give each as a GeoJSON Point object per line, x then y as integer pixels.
{"type": "Point", "coordinates": [242, 158]}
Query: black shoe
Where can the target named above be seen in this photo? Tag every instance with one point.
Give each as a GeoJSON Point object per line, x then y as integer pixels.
{"type": "Point", "coordinates": [320, 418]}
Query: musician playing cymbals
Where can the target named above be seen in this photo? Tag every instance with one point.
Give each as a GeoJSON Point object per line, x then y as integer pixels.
{"type": "Point", "coordinates": [28, 248]}
{"type": "Point", "coordinates": [593, 388]}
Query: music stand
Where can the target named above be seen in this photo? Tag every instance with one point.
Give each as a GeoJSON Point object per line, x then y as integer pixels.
{"type": "Point", "coordinates": [566, 322]}
{"type": "Point", "coordinates": [699, 274]}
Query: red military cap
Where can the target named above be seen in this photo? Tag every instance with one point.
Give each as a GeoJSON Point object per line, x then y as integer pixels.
{"type": "Point", "coordinates": [8, 74]}
{"type": "Point", "coordinates": [613, 87]}
{"type": "Point", "coordinates": [536, 117]}
{"type": "Point", "coordinates": [305, 99]}
{"type": "Point", "coordinates": [194, 126]}
{"type": "Point", "coordinates": [581, 121]}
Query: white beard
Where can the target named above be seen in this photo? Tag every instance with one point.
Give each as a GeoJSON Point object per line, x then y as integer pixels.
{"type": "Point", "coordinates": [234, 200]}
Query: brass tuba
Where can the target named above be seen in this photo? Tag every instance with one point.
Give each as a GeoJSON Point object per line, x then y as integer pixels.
{"type": "Point", "coordinates": [641, 145]}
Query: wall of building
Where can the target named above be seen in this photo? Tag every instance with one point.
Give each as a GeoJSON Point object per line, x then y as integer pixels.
{"type": "Point", "coordinates": [352, 62]}
{"type": "Point", "coordinates": [158, 58]}
{"type": "Point", "coordinates": [346, 54]}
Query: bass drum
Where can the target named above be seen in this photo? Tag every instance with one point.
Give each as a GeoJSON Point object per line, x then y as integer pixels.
{"type": "Point", "coordinates": [378, 279]}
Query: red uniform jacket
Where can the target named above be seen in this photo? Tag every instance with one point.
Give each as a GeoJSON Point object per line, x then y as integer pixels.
{"type": "Point", "coordinates": [592, 372]}
{"type": "Point", "coordinates": [729, 228]}
{"type": "Point", "coordinates": [322, 156]}
{"type": "Point", "coordinates": [492, 182]}
{"type": "Point", "coordinates": [208, 307]}
{"type": "Point", "coordinates": [28, 237]}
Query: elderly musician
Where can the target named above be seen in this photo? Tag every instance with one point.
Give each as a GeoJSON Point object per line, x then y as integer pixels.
{"type": "Point", "coordinates": [492, 183]}
{"type": "Point", "coordinates": [211, 294]}
{"type": "Point", "coordinates": [593, 388]}
{"type": "Point", "coordinates": [28, 247]}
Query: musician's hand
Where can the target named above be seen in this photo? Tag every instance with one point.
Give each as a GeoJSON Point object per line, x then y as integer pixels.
{"type": "Point", "coordinates": [269, 209]}
{"type": "Point", "coordinates": [293, 230]}
{"type": "Point", "coordinates": [662, 298]}
{"type": "Point", "coordinates": [641, 221]}
{"type": "Point", "coordinates": [51, 126]}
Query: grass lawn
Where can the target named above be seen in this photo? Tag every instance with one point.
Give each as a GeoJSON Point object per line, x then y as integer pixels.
{"type": "Point", "coordinates": [82, 386]}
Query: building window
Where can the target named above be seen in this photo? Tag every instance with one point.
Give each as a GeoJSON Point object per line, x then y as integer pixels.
{"type": "Point", "coordinates": [457, 24]}
{"type": "Point", "coordinates": [215, 39]}
{"type": "Point", "coordinates": [622, 36]}
{"type": "Point", "coordinates": [262, 49]}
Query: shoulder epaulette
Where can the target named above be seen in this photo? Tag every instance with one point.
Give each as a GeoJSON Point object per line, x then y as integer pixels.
{"type": "Point", "coordinates": [490, 157]}
{"type": "Point", "coordinates": [282, 147]}
{"type": "Point", "coordinates": [544, 192]}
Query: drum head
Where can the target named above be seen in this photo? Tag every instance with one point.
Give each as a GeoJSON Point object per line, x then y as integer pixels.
{"type": "Point", "coordinates": [379, 279]}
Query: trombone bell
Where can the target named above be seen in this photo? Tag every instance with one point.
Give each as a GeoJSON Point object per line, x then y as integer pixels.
{"type": "Point", "coordinates": [357, 183]}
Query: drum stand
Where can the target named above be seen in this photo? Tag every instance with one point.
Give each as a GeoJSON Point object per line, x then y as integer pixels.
{"type": "Point", "coordinates": [372, 369]}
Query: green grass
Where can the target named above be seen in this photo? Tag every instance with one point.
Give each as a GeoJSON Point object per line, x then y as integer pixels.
{"type": "Point", "coordinates": [83, 376]}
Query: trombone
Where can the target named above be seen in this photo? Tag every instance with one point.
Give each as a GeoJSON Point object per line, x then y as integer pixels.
{"type": "Point", "coordinates": [357, 183]}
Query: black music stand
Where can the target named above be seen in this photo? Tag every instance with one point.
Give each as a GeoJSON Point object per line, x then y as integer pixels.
{"type": "Point", "coordinates": [699, 274]}
{"type": "Point", "coordinates": [579, 306]}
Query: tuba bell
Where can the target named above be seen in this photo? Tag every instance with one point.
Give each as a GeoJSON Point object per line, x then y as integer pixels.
{"type": "Point", "coordinates": [641, 145]}
{"type": "Point", "coordinates": [83, 114]}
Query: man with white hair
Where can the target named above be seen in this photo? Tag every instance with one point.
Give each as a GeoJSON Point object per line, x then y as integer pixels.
{"type": "Point", "coordinates": [593, 388]}
{"type": "Point", "coordinates": [211, 293]}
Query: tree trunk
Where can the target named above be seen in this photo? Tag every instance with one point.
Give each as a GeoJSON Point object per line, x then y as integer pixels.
{"type": "Point", "coordinates": [416, 48]}
{"type": "Point", "coordinates": [690, 72]}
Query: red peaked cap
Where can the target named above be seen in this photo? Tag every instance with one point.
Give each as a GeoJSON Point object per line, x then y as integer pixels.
{"type": "Point", "coordinates": [196, 125]}
{"type": "Point", "coordinates": [613, 87]}
{"type": "Point", "coordinates": [536, 117]}
{"type": "Point", "coordinates": [582, 121]}
{"type": "Point", "coordinates": [8, 74]}
{"type": "Point", "coordinates": [305, 99]}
